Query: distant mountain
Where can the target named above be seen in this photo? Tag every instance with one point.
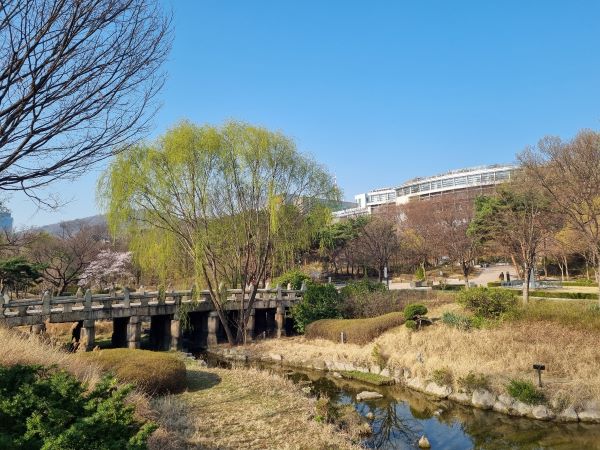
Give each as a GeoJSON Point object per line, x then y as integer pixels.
{"type": "Point", "coordinates": [55, 228]}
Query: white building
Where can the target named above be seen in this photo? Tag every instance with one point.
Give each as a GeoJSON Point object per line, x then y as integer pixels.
{"type": "Point", "coordinates": [468, 179]}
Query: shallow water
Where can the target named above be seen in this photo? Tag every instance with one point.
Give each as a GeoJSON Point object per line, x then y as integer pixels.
{"type": "Point", "coordinates": [402, 416]}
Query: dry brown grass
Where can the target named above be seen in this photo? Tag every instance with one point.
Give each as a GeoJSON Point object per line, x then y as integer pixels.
{"type": "Point", "coordinates": [63, 331]}
{"type": "Point", "coordinates": [356, 331]}
{"type": "Point", "coordinates": [243, 409]}
{"type": "Point", "coordinates": [23, 348]}
{"type": "Point", "coordinates": [154, 373]}
{"type": "Point", "coordinates": [502, 352]}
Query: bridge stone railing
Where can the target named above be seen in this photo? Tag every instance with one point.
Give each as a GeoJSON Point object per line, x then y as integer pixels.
{"type": "Point", "coordinates": [123, 304]}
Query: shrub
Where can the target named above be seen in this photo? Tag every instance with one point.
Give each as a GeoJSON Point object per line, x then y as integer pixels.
{"type": "Point", "coordinates": [525, 392]}
{"type": "Point", "coordinates": [580, 282]}
{"type": "Point", "coordinates": [51, 409]}
{"type": "Point", "coordinates": [152, 372]}
{"type": "Point", "coordinates": [357, 331]}
{"type": "Point", "coordinates": [494, 284]}
{"type": "Point", "coordinates": [411, 324]}
{"type": "Point", "coordinates": [362, 287]}
{"type": "Point", "coordinates": [420, 274]}
{"type": "Point", "coordinates": [414, 310]}
{"type": "Point", "coordinates": [448, 287]}
{"type": "Point", "coordinates": [379, 359]}
{"type": "Point", "coordinates": [473, 381]}
{"type": "Point", "coordinates": [294, 277]}
{"type": "Point", "coordinates": [568, 295]}
{"type": "Point", "coordinates": [320, 301]}
{"type": "Point", "coordinates": [488, 303]}
{"type": "Point", "coordinates": [442, 377]}
{"type": "Point", "coordinates": [378, 302]}
{"type": "Point", "coordinates": [457, 321]}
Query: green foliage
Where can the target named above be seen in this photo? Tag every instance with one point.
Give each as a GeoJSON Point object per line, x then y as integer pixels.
{"type": "Point", "coordinates": [320, 301]}
{"type": "Point", "coordinates": [154, 373]}
{"type": "Point", "coordinates": [473, 381]}
{"type": "Point", "coordinates": [294, 277]}
{"type": "Point", "coordinates": [362, 288]}
{"type": "Point", "coordinates": [525, 392]}
{"type": "Point", "coordinates": [414, 310]}
{"type": "Point", "coordinates": [567, 295]}
{"type": "Point", "coordinates": [216, 201]}
{"type": "Point", "coordinates": [420, 274]}
{"type": "Point", "coordinates": [327, 411]}
{"type": "Point", "coordinates": [494, 284]}
{"type": "Point", "coordinates": [357, 331]}
{"type": "Point", "coordinates": [369, 378]}
{"type": "Point", "coordinates": [458, 321]}
{"type": "Point", "coordinates": [411, 324]}
{"type": "Point", "coordinates": [448, 287]}
{"type": "Point", "coordinates": [442, 377]}
{"type": "Point", "coordinates": [488, 303]}
{"type": "Point", "coordinates": [51, 410]}
{"type": "Point", "coordinates": [378, 357]}
{"type": "Point", "coordinates": [580, 282]}
{"type": "Point", "coordinates": [18, 274]}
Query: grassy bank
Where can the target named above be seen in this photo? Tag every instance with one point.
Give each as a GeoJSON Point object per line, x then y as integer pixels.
{"type": "Point", "coordinates": [242, 409]}
{"type": "Point", "coordinates": [356, 331]}
{"type": "Point", "coordinates": [561, 335]}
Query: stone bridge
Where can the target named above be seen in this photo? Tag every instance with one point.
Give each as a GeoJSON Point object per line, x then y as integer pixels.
{"type": "Point", "coordinates": [128, 311]}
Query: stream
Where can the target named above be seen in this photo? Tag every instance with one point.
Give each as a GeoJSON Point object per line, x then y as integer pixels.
{"type": "Point", "coordinates": [402, 416]}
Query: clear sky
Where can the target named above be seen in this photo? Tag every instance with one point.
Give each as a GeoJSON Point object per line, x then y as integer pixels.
{"type": "Point", "coordinates": [378, 91]}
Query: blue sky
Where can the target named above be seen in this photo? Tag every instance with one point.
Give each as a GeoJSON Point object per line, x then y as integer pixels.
{"type": "Point", "coordinates": [378, 91]}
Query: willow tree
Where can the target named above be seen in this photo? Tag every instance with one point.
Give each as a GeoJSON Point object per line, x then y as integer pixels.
{"type": "Point", "coordinates": [219, 196]}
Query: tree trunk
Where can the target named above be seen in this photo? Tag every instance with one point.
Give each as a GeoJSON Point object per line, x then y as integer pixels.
{"type": "Point", "coordinates": [527, 279]}
{"type": "Point", "coordinates": [598, 279]}
{"type": "Point", "coordinates": [566, 267]}
{"type": "Point", "coordinates": [517, 267]}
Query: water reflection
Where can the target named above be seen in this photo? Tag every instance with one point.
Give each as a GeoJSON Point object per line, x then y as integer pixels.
{"type": "Point", "coordinates": [402, 416]}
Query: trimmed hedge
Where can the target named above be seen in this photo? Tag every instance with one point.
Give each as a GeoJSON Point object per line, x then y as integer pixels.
{"type": "Point", "coordinates": [357, 331]}
{"type": "Point", "coordinates": [582, 282]}
{"type": "Point", "coordinates": [566, 295]}
{"type": "Point", "coordinates": [154, 373]}
{"type": "Point", "coordinates": [448, 287]}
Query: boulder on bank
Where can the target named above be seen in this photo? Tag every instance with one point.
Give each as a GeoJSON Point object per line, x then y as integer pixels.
{"type": "Point", "coordinates": [437, 390]}
{"type": "Point", "coordinates": [368, 395]}
{"type": "Point", "coordinates": [483, 399]}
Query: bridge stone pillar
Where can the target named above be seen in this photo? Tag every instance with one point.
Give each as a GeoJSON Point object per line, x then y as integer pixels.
{"type": "Point", "coordinates": [134, 332]}
{"type": "Point", "coordinates": [280, 321]}
{"type": "Point", "coordinates": [88, 335]}
{"type": "Point", "coordinates": [213, 326]}
{"type": "Point", "coordinates": [250, 325]}
{"type": "Point", "coordinates": [175, 334]}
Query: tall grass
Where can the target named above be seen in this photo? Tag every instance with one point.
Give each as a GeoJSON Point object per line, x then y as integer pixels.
{"type": "Point", "coordinates": [578, 315]}
{"type": "Point", "coordinates": [154, 373]}
{"type": "Point", "coordinates": [356, 331]}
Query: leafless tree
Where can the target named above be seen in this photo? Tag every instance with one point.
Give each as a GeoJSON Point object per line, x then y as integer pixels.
{"type": "Point", "coordinates": [66, 255]}
{"type": "Point", "coordinates": [570, 174]}
{"type": "Point", "coordinates": [379, 240]}
{"type": "Point", "coordinates": [77, 82]}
